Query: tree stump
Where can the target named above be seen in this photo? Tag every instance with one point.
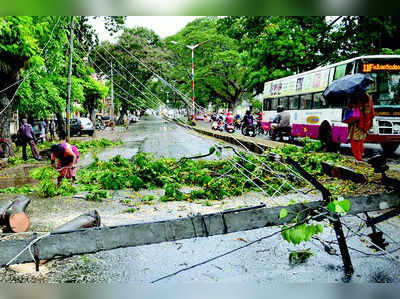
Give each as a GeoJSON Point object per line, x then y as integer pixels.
{"type": "Point", "coordinates": [14, 218]}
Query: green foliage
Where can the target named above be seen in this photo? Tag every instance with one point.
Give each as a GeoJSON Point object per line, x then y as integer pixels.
{"type": "Point", "coordinates": [283, 213]}
{"type": "Point", "coordinates": [300, 233]}
{"type": "Point", "coordinates": [130, 210]}
{"type": "Point", "coordinates": [43, 173]}
{"type": "Point", "coordinates": [97, 195]}
{"type": "Point", "coordinates": [341, 207]}
{"type": "Point", "coordinates": [147, 198]}
{"type": "Point", "coordinates": [172, 193]}
{"type": "Point", "coordinates": [299, 256]}
{"type": "Point", "coordinates": [47, 188]}
{"type": "Point", "coordinates": [18, 190]}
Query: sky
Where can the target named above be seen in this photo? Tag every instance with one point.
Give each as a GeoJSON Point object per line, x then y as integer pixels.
{"type": "Point", "coordinates": [162, 25]}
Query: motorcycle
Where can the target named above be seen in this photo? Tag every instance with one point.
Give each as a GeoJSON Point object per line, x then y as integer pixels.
{"type": "Point", "coordinates": [249, 130]}
{"type": "Point", "coordinates": [217, 126]}
{"type": "Point", "coordinates": [100, 126]}
{"type": "Point", "coordinates": [279, 133]}
{"type": "Point", "coordinates": [262, 129]}
{"type": "Point", "coordinates": [230, 128]}
{"type": "Point", "coordinates": [237, 123]}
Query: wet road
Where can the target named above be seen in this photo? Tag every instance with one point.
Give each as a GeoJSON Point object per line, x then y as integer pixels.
{"type": "Point", "coordinates": [265, 261]}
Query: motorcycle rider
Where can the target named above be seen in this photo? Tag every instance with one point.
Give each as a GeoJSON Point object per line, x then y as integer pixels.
{"type": "Point", "coordinates": [280, 122]}
{"type": "Point", "coordinates": [248, 119]}
{"type": "Point", "coordinates": [228, 120]}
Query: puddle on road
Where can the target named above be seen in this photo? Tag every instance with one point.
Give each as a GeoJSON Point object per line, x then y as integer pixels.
{"type": "Point", "coordinates": [16, 177]}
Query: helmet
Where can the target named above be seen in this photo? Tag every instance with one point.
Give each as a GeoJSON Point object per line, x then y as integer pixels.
{"type": "Point", "coordinates": [279, 109]}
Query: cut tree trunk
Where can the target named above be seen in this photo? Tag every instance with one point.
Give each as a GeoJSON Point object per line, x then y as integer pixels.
{"type": "Point", "coordinates": [4, 206]}
{"type": "Point", "coordinates": [87, 220]}
{"type": "Point", "coordinates": [14, 218]}
{"type": "Point", "coordinates": [5, 117]}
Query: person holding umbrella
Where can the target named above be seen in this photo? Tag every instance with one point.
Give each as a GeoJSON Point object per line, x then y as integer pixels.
{"type": "Point", "coordinates": [360, 112]}
{"type": "Point", "coordinates": [360, 123]}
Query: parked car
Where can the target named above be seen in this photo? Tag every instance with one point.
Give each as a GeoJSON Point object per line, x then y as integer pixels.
{"type": "Point", "coordinates": [86, 126]}
{"type": "Point", "coordinates": [37, 130]}
{"type": "Point", "coordinates": [199, 117]}
{"type": "Point", "coordinates": [75, 126]}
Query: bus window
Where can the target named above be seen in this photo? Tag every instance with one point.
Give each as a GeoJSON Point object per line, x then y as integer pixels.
{"type": "Point", "coordinates": [349, 68]}
{"type": "Point", "coordinates": [319, 101]}
{"type": "Point", "coordinates": [274, 103]}
{"type": "Point", "coordinates": [294, 102]}
{"type": "Point", "coordinates": [305, 101]}
{"type": "Point", "coordinates": [340, 71]}
{"type": "Point", "coordinates": [284, 102]}
{"type": "Point", "coordinates": [266, 104]}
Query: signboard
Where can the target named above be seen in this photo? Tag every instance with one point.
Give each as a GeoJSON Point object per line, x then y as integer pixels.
{"type": "Point", "coordinates": [308, 83]}
{"type": "Point", "coordinates": [369, 67]}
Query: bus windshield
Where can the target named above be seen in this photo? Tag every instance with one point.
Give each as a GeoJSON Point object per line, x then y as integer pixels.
{"type": "Point", "coordinates": [386, 88]}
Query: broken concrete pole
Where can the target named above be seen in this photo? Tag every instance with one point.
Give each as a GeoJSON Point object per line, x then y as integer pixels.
{"type": "Point", "coordinates": [15, 219]}
{"type": "Point", "coordinates": [343, 173]}
{"type": "Point", "coordinates": [87, 220]}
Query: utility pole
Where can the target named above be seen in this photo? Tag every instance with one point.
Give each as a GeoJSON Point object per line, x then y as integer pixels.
{"type": "Point", "coordinates": [71, 48]}
{"type": "Point", "coordinates": [193, 112]}
{"type": "Point", "coordinates": [112, 93]}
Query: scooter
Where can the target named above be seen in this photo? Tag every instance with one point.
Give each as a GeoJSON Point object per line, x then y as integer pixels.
{"type": "Point", "coordinates": [249, 130]}
{"type": "Point", "coordinates": [217, 126]}
{"type": "Point", "coordinates": [237, 123]}
{"type": "Point", "coordinates": [279, 133]}
{"type": "Point", "coordinates": [230, 128]}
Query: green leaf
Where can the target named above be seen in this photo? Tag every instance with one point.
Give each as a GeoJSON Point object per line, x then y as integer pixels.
{"type": "Point", "coordinates": [283, 213]}
{"type": "Point", "coordinates": [345, 205]}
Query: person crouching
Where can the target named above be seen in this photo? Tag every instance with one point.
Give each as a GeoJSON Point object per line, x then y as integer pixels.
{"type": "Point", "coordinates": [67, 156]}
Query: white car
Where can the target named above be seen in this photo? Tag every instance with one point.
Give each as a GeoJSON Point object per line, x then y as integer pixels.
{"type": "Point", "coordinates": [86, 126]}
{"type": "Point", "coordinates": [133, 118]}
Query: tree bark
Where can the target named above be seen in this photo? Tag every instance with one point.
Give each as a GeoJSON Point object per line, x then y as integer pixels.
{"type": "Point", "coordinates": [5, 117]}
{"type": "Point", "coordinates": [61, 130]}
{"type": "Point", "coordinates": [15, 218]}
{"type": "Point", "coordinates": [4, 206]}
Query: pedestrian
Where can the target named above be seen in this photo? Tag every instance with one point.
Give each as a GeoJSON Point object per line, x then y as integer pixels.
{"type": "Point", "coordinates": [362, 113]}
{"type": "Point", "coordinates": [26, 136]}
{"type": "Point", "coordinates": [43, 130]}
{"type": "Point", "coordinates": [126, 122]}
{"type": "Point", "coordinates": [68, 156]}
{"type": "Point", "coordinates": [52, 126]}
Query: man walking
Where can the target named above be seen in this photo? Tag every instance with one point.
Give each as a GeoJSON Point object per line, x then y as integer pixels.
{"type": "Point", "coordinates": [27, 137]}
{"type": "Point", "coordinates": [52, 127]}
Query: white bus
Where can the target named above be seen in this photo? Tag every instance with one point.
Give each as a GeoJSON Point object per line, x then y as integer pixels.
{"type": "Point", "coordinates": [313, 117]}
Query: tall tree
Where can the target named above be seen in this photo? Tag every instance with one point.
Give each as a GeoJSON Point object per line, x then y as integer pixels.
{"type": "Point", "coordinates": [133, 81]}
{"type": "Point", "coordinates": [273, 47]}
{"type": "Point", "coordinates": [219, 73]}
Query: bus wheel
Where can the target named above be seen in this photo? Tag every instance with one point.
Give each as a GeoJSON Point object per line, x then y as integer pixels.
{"type": "Point", "coordinates": [325, 136]}
{"type": "Point", "coordinates": [389, 147]}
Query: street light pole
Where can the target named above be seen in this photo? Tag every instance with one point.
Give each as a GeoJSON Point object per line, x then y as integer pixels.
{"type": "Point", "coordinates": [192, 48]}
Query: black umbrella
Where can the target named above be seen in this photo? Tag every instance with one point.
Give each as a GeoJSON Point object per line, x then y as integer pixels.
{"type": "Point", "coordinates": [347, 86]}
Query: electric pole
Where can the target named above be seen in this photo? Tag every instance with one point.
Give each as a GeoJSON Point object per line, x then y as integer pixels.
{"type": "Point", "coordinates": [71, 48]}
{"type": "Point", "coordinates": [112, 93]}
